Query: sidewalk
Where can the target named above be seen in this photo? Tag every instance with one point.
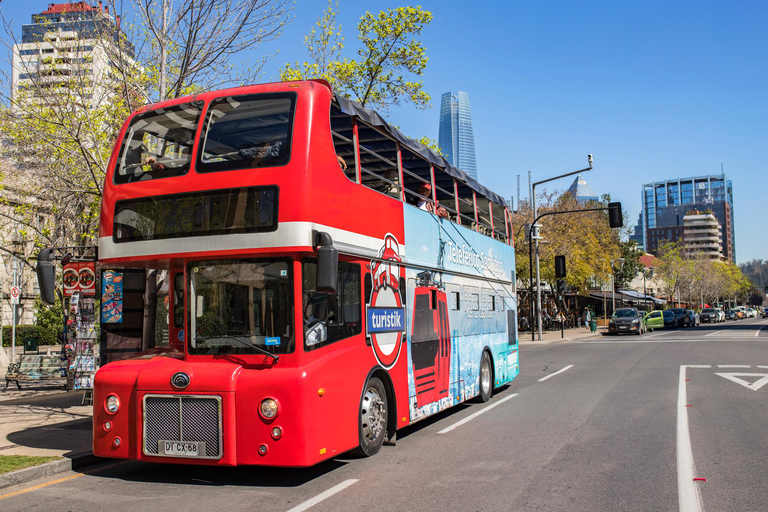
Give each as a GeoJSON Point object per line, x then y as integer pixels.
{"type": "Point", "coordinates": [573, 334]}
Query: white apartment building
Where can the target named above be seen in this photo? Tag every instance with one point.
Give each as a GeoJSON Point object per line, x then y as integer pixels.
{"type": "Point", "coordinates": [702, 235]}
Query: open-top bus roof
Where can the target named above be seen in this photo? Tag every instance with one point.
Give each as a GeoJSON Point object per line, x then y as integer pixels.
{"type": "Point", "coordinates": [369, 116]}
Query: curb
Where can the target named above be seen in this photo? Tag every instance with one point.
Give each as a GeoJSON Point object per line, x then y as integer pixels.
{"type": "Point", "coordinates": [55, 467]}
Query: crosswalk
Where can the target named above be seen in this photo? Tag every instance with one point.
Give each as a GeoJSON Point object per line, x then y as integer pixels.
{"type": "Point", "coordinates": [738, 331]}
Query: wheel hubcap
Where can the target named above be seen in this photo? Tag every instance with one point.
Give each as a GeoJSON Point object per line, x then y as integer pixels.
{"type": "Point", "coordinates": [373, 414]}
{"type": "Point", "coordinates": [485, 377]}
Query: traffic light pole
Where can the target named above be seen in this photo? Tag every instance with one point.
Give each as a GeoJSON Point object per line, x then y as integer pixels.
{"type": "Point", "coordinates": [537, 311]}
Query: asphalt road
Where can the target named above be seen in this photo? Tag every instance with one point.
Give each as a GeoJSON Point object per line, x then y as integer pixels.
{"type": "Point", "coordinates": [627, 426]}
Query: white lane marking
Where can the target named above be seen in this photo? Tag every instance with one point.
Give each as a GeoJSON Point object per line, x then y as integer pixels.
{"type": "Point", "coordinates": [553, 374]}
{"type": "Point", "coordinates": [641, 340]}
{"type": "Point", "coordinates": [475, 415]}
{"type": "Point", "coordinates": [733, 366]}
{"type": "Point", "coordinates": [322, 496]}
{"type": "Point", "coordinates": [758, 331]}
{"type": "Point", "coordinates": [688, 493]}
{"type": "Point", "coordinates": [758, 366]}
{"type": "Point", "coordinates": [754, 386]}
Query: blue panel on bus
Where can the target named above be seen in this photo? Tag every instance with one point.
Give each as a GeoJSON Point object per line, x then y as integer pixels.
{"type": "Point", "coordinates": [382, 320]}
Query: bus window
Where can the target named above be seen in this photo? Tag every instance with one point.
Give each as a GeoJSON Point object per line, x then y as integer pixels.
{"type": "Point", "coordinates": [378, 161]}
{"type": "Point", "coordinates": [242, 132]}
{"type": "Point", "coordinates": [331, 317]}
{"type": "Point", "coordinates": [343, 140]}
{"type": "Point", "coordinates": [240, 306]}
{"type": "Point", "coordinates": [158, 143]}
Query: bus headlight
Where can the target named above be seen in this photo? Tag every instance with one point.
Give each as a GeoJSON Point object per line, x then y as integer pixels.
{"type": "Point", "coordinates": [268, 408]}
{"type": "Point", "coordinates": [112, 405]}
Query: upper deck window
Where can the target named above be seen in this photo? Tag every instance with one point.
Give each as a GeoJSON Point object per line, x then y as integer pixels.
{"type": "Point", "coordinates": [158, 143]}
{"type": "Point", "coordinates": [243, 132]}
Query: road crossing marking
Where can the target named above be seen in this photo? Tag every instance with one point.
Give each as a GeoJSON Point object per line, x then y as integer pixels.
{"type": "Point", "coordinates": [475, 415]}
{"type": "Point", "coordinates": [754, 386]}
{"type": "Point", "coordinates": [323, 495]}
{"type": "Point", "coordinates": [553, 374]}
{"type": "Point", "coordinates": [733, 366]}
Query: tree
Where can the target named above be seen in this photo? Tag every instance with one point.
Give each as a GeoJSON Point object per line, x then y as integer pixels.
{"type": "Point", "coordinates": [389, 53]}
{"type": "Point", "coordinates": [631, 266]}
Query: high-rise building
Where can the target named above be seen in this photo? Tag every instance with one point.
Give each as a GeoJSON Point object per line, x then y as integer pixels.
{"type": "Point", "coordinates": [582, 191]}
{"type": "Point", "coordinates": [666, 203]}
{"type": "Point", "coordinates": [69, 43]}
{"type": "Point", "coordinates": [637, 234]}
{"type": "Point", "coordinates": [456, 138]}
{"type": "Point", "coordinates": [702, 236]}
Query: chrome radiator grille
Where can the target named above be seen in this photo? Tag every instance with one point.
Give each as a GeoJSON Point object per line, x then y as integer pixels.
{"type": "Point", "coordinates": [182, 418]}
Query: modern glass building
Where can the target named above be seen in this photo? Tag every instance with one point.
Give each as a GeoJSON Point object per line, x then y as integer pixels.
{"type": "Point", "coordinates": [666, 203]}
{"type": "Point", "coordinates": [456, 138]}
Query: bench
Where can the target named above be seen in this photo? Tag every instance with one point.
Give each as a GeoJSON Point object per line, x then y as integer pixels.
{"type": "Point", "coordinates": [35, 367]}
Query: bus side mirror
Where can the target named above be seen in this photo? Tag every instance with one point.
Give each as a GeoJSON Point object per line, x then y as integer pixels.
{"type": "Point", "coordinates": [46, 276]}
{"type": "Point", "coordinates": [327, 263]}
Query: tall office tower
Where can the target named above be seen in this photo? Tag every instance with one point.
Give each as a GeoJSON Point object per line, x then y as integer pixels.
{"type": "Point", "coordinates": [637, 234]}
{"type": "Point", "coordinates": [666, 203]}
{"type": "Point", "coordinates": [69, 43]}
{"type": "Point", "coordinates": [456, 138]}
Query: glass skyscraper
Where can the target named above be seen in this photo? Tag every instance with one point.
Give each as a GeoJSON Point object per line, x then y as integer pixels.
{"type": "Point", "coordinates": [666, 203]}
{"type": "Point", "coordinates": [456, 138]}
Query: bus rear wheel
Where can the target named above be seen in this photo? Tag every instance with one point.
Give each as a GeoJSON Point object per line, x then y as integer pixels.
{"type": "Point", "coordinates": [486, 378]}
{"type": "Point", "coordinates": [373, 417]}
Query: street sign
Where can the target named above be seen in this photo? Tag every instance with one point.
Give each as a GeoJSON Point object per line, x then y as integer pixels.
{"type": "Point", "coordinates": [15, 295]}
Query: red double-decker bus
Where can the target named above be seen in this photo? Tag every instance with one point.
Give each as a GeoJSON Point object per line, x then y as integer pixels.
{"type": "Point", "coordinates": [279, 286]}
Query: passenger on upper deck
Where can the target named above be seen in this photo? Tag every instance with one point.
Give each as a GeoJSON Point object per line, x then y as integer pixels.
{"type": "Point", "coordinates": [426, 204]}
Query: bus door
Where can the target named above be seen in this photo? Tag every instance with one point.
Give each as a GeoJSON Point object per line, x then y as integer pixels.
{"type": "Point", "coordinates": [430, 345]}
{"type": "Point", "coordinates": [122, 313]}
{"type": "Point", "coordinates": [176, 338]}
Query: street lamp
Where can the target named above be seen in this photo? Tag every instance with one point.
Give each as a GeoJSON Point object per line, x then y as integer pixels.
{"type": "Point", "coordinates": [613, 282]}
{"type": "Point", "coordinates": [646, 271]}
{"type": "Point", "coordinates": [535, 229]}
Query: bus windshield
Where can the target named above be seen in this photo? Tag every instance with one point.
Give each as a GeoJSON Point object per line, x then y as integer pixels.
{"type": "Point", "coordinates": [241, 306]}
{"type": "Point", "coordinates": [159, 143]}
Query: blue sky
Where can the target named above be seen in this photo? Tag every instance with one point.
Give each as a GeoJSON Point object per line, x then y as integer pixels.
{"type": "Point", "coordinates": [654, 90]}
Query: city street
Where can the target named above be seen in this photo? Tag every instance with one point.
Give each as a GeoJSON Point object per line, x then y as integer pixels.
{"type": "Point", "coordinates": [608, 423]}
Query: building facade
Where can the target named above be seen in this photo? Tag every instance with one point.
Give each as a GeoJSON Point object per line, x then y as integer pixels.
{"type": "Point", "coordinates": [456, 137]}
{"type": "Point", "coordinates": [702, 236]}
{"type": "Point", "coordinates": [66, 43]}
{"type": "Point", "coordinates": [582, 191]}
{"type": "Point", "coordinates": [666, 203]}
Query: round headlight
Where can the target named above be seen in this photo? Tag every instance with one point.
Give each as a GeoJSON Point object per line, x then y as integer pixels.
{"type": "Point", "coordinates": [635, 321]}
{"type": "Point", "coordinates": [113, 404]}
{"type": "Point", "coordinates": [268, 408]}
{"type": "Point", "coordinates": [277, 433]}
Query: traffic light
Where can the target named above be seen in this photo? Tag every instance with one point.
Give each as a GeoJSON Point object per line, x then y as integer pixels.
{"type": "Point", "coordinates": [561, 287]}
{"type": "Point", "coordinates": [615, 218]}
{"type": "Point", "coordinates": [559, 267]}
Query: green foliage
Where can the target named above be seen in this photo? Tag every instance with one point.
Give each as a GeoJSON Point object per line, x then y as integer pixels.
{"type": "Point", "coordinates": [49, 318]}
{"type": "Point", "coordinates": [389, 54]}
{"type": "Point", "coordinates": [631, 266]}
{"type": "Point", "coordinates": [10, 463]}
{"type": "Point", "coordinates": [45, 336]}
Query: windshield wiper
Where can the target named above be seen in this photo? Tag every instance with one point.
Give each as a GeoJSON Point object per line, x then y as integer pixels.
{"type": "Point", "coordinates": [243, 342]}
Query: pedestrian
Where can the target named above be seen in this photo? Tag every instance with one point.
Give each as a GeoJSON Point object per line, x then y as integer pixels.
{"type": "Point", "coordinates": [586, 317]}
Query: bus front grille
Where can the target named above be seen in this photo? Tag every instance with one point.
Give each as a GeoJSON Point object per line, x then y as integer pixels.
{"type": "Point", "coordinates": [183, 418]}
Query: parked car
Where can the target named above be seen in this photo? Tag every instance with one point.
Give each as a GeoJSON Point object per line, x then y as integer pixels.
{"type": "Point", "coordinates": [670, 320]}
{"type": "Point", "coordinates": [654, 320]}
{"type": "Point", "coordinates": [709, 316]}
{"type": "Point", "coordinates": [765, 313]}
{"type": "Point", "coordinates": [694, 316]}
{"type": "Point", "coordinates": [720, 314]}
{"type": "Point", "coordinates": [730, 315]}
{"type": "Point", "coordinates": [681, 316]}
{"type": "Point", "coordinates": [626, 320]}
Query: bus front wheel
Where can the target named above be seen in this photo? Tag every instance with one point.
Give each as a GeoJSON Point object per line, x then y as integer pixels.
{"type": "Point", "coordinates": [373, 418]}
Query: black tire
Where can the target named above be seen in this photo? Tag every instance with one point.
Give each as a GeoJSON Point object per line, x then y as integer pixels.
{"type": "Point", "coordinates": [373, 416]}
{"type": "Point", "coordinates": [485, 378]}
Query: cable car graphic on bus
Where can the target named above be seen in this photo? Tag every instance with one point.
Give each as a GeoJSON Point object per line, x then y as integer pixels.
{"type": "Point", "coordinates": [430, 340]}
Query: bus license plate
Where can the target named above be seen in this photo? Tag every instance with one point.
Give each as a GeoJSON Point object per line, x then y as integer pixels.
{"type": "Point", "coordinates": [182, 449]}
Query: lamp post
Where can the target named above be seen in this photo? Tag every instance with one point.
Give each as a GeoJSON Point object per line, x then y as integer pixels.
{"type": "Point", "coordinates": [613, 283]}
{"type": "Point", "coordinates": [645, 293]}
{"type": "Point", "coordinates": [535, 229]}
